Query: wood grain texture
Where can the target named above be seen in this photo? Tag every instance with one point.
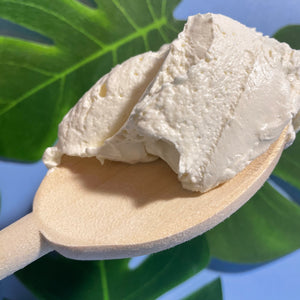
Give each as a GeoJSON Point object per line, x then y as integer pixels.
{"type": "Point", "coordinates": [117, 210]}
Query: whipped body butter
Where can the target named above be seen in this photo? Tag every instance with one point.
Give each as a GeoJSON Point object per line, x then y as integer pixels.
{"type": "Point", "coordinates": [208, 104]}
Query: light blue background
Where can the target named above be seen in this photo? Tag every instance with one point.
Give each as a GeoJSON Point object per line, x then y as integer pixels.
{"type": "Point", "coordinates": [278, 280]}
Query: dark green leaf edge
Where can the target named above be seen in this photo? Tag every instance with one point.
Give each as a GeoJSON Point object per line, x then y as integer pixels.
{"type": "Point", "coordinates": [211, 291]}
{"type": "Point", "coordinates": [265, 228]}
{"type": "Point", "coordinates": [76, 280]}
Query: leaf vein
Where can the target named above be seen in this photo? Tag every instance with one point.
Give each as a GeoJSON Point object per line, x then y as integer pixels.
{"type": "Point", "coordinates": [146, 43]}
{"type": "Point", "coordinates": [171, 28]}
{"type": "Point", "coordinates": [126, 15]}
{"type": "Point", "coordinates": [151, 10]}
{"type": "Point", "coordinates": [83, 32]}
{"type": "Point", "coordinates": [61, 90]}
{"type": "Point", "coordinates": [104, 280]}
{"type": "Point", "coordinates": [139, 33]}
{"type": "Point", "coordinates": [114, 57]}
{"type": "Point", "coordinates": [30, 68]}
{"type": "Point", "coordinates": [163, 8]}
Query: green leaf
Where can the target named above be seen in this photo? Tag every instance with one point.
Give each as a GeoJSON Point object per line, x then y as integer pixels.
{"type": "Point", "coordinates": [211, 291]}
{"type": "Point", "coordinates": [265, 228]}
{"type": "Point", "coordinates": [42, 81]}
{"type": "Point", "coordinates": [288, 167]}
{"type": "Point", "coordinates": [55, 277]}
{"type": "Point", "coordinates": [289, 34]}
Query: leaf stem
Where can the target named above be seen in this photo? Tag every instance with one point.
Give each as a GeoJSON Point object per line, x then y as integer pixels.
{"type": "Point", "coordinates": [104, 280]}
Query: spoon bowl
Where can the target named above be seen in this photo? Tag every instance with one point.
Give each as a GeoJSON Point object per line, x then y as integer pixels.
{"type": "Point", "coordinates": [85, 210]}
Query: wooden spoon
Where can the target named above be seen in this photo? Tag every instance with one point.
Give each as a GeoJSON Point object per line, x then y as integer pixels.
{"type": "Point", "coordinates": [87, 211]}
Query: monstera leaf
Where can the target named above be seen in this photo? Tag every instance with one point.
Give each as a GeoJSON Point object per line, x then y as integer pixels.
{"type": "Point", "coordinates": [289, 34]}
{"type": "Point", "coordinates": [55, 277]}
{"type": "Point", "coordinates": [265, 228]}
{"type": "Point", "coordinates": [43, 77]}
{"type": "Point", "coordinates": [268, 226]}
{"type": "Point", "coordinates": [211, 291]}
{"type": "Point", "coordinates": [289, 167]}
{"type": "Point", "coordinates": [43, 80]}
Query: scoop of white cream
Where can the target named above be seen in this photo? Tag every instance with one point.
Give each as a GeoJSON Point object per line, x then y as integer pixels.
{"type": "Point", "coordinates": [208, 104]}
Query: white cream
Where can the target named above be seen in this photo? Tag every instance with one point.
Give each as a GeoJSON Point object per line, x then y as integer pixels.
{"type": "Point", "coordinates": [208, 104]}
{"type": "Point", "coordinates": [103, 109]}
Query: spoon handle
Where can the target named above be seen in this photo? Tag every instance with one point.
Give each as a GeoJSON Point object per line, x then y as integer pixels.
{"type": "Point", "coordinates": [20, 244]}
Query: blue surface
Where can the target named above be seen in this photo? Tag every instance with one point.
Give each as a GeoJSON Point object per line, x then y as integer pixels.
{"type": "Point", "coordinates": [276, 280]}
{"type": "Point", "coordinates": [267, 16]}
